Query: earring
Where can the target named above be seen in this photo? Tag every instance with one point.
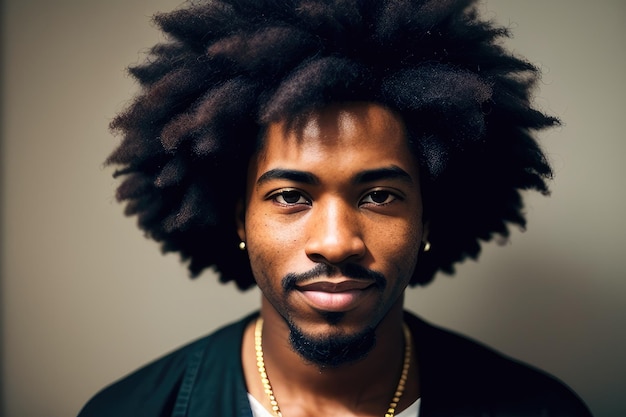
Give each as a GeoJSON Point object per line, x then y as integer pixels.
{"type": "Point", "coordinates": [242, 245]}
{"type": "Point", "coordinates": [426, 246]}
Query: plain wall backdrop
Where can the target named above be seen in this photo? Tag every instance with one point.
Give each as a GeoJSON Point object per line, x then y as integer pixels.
{"type": "Point", "coordinates": [86, 298]}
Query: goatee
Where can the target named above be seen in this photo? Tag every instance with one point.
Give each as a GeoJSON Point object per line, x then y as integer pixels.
{"type": "Point", "coordinates": [334, 350]}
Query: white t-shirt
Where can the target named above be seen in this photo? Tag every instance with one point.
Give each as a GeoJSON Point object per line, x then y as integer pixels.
{"type": "Point", "coordinates": [259, 411]}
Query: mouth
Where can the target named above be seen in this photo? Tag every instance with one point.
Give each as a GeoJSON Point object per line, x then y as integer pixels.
{"type": "Point", "coordinates": [335, 296]}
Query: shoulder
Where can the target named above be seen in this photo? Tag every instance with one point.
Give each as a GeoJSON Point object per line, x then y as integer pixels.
{"type": "Point", "coordinates": [462, 375]}
{"type": "Point", "coordinates": [151, 390]}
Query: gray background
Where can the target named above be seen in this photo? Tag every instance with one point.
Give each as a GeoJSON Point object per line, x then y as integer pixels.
{"type": "Point", "coordinates": [86, 298]}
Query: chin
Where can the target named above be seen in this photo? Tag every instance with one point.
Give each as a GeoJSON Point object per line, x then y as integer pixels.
{"type": "Point", "coordinates": [333, 318]}
{"type": "Point", "coordinates": [332, 350]}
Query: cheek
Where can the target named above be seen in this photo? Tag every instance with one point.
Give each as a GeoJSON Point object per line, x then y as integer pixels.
{"type": "Point", "coordinates": [400, 235]}
{"type": "Point", "coordinates": [266, 242]}
{"type": "Point", "coordinates": [268, 248]}
{"type": "Point", "coordinates": [399, 246]}
{"type": "Point", "coordinates": [267, 232]}
{"type": "Point", "coordinates": [257, 265]}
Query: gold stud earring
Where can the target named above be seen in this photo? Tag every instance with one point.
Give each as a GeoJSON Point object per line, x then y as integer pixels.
{"type": "Point", "coordinates": [426, 246]}
{"type": "Point", "coordinates": [242, 245]}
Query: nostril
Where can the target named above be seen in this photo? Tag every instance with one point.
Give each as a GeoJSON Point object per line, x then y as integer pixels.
{"type": "Point", "coordinates": [335, 251]}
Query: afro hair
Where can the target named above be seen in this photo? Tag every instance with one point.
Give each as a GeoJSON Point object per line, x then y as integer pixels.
{"type": "Point", "coordinates": [227, 68]}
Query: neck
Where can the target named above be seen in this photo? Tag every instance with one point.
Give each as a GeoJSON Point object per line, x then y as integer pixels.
{"type": "Point", "coordinates": [364, 387]}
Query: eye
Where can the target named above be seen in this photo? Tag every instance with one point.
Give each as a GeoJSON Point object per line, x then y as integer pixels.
{"type": "Point", "coordinates": [290, 197]}
{"type": "Point", "coordinates": [379, 197]}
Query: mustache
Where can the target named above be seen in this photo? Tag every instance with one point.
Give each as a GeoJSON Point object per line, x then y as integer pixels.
{"type": "Point", "coordinates": [354, 271]}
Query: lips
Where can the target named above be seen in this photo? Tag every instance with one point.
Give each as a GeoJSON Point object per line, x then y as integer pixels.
{"type": "Point", "coordinates": [335, 296]}
{"type": "Point", "coordinates": [335, 286]}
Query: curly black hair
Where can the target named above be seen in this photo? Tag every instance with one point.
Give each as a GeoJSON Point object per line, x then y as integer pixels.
{"type": "Point", "coordinates": [227, 68]}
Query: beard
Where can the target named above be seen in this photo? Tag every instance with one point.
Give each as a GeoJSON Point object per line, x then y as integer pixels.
{"type": "Point", "coordinates": [334, 350]}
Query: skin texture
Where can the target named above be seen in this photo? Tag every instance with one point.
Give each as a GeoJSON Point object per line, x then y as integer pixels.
{"type": "Point", "coordinates": [333, 205]}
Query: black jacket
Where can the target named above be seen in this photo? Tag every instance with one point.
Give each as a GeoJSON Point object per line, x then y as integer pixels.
{"type": "Point", "coordinates": [458, 378]}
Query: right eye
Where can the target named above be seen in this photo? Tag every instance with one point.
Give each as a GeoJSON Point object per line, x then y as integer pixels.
{"type": "Point", "coordinates": [290, 198]}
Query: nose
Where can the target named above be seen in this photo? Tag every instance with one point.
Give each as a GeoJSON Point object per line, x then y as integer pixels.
{"type": "Point", "coordinates": [334, 233]}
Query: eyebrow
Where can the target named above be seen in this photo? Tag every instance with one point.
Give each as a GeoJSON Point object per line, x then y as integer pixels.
{"type": "Point", "coordinates": [387, 173]}
{"type": "Point", "coordinates": [287, 174]}
{"type": "Point", "coordinates": [370, 175]}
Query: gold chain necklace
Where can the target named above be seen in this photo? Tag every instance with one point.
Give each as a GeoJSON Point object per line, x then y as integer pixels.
{"type": "Point", "coordinates": [391, 410]}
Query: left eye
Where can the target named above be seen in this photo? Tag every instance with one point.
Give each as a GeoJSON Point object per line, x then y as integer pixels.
{"type": "Point", "coordinates": [290, 197]}
{"type": "Point", "coordinates": [378, 198]}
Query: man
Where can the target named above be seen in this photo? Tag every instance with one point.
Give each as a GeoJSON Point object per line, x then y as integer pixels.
{"type": "Point", "coordinates": [332, 153]}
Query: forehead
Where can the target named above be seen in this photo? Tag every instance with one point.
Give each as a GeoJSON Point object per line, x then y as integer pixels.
{"type": "Point", "coordinates": [350, 130]}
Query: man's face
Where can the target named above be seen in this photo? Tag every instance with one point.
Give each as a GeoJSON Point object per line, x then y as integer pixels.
{"type": "Point", "coordinates": [333, 219]}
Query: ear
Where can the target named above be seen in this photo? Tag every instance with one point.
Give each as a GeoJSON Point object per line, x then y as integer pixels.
{"type": "Point", "coordinates": [425, 231]}
{"type": "Point", "coordinates": [240, 217]}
